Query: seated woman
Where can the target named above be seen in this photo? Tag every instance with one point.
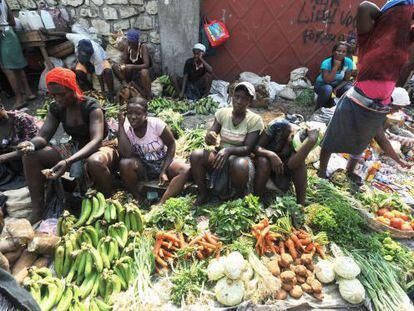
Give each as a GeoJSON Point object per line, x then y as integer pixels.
{"type": "Point", "coordinates": [276, 158]}
{"type": "Point", "coordinates": [15, 127]}
{"type": "Point", "coordinates": [230, 167]}
{"type": "Point", "coordinates": [135, 65]}
{"type": "Point", "coordinates": [147, 148]}
{"type": "Point", "coordinates": [336, 72]}
{"type": "Point", "coordinates": [83, 119]}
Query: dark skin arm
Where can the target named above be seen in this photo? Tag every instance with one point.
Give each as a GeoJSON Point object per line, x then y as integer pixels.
{"type": "Point", "coordinates": [260, 151]}
{"type": "Point", "coordinates": [124, 145]}
{"type": "Point", "coordinates": [246, 150]}
{"type": "Point", "coordinates": [96, 129]}
{"type": "Point", "coordinates": [146, 59]}
{"type": "Point", "coordinates": [168, 138]}
{"type": "Point", "coordinates": [347, 77]}
{"type": "Point", "coordinates": [329, 76]}
{"type": "Point", "coordinates": [206, 65]}
{"type": "Point", "coordinates": [300, 156]}
{"type": "Point", "coordinates": [10, 17]}
{"type": "Point", "coordinates": [368, 13]}
{"type": "Point", "coordinates": [184, 85]}
{"type": "Point", "coordinates": [385, 145]}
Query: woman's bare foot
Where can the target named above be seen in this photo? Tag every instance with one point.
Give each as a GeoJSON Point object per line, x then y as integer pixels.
{"type": "Point", "coordinates": [201, 199]}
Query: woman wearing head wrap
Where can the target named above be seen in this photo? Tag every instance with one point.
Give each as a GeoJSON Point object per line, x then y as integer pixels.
{"type": "Point", "coordinates": [198, 75]}
{"type": "Point", "coordinates": [383, 40]}
{"type": "Point", "coordinates": [135, 64]}
{"type": "Point", "coordinates": [83, 119]}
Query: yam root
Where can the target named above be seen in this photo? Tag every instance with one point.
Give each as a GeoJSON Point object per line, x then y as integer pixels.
{"type": "Point", "coordinates": [310, 267]}
{"type": "Point", "coordinates": [4, 263]}
{"type": "Point", "coordinates": [287, 287]}
{"type": "Point", "coordinates": [13, 256]}
{"type": "Point", "coordinates": [41, 262]}
{"type": "Point", "coordinates": [281, 294]}
{"type": "Point", "coordinates": [316, 286]}
{"type": "Point", "coordinates": [273, 267]}
{"type": "Point", "coordinates": [21, 275]}
{"type": "Point", "coordinates": [310, 279]}
{"type": "Point", "coordinates": [301, 280]}
{"type": "Point", "coordinates": [287, 277]}
{"type": "Point", "coordinates": [306, 259]}
{"type": "Point", "coordinates": [286, 260]}
{"type": "Point", "coordinates": [300, 271]}
{"type": "Point", "coordinates": [8, 245]}
{"type": "Point", "coordinates": [318, 296]}
{"type": "Point", "coordinates": [43, 244]}
{"type": "Point", "coordinates": [296, 292]}
{"type": "Point", "coordinates": [20, 229]}
{"type": "Point", "coordinates": [307, 288]}
{"type": "Point", "coordinates": [25, 261]}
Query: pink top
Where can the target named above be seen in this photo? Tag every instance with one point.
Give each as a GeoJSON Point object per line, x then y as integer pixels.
{"type": "Point", "coordinates": [377, 89]}
{"type": "Point", "coordinates": [150, 147]}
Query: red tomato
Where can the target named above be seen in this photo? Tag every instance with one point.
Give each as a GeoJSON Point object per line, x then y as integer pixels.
{"type": "Point", "coordinates": [404, 217]}
{"type": "Point", "coordinates": [396, 222]}
{"type": "Point", "coordinates": [382, 211]}
{"type": "Point", "coordinates": [389, 215]}
{"type": "Point", "coordinates": [406, 227]}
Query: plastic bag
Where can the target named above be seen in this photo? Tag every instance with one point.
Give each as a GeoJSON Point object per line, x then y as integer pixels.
{"type": "Point", "coordinates": [57, 62]}
{"type": "Point", "coordinates": [18, 203]}
{"type": "Point", "coordinates": [216, 32]}
{"type": "Point", "coordinates": [288, 93]}
{"type": "Point", "coordinates": [298, 78]}
{"type": "Point", "coordinates": [275, 89]}
{"type": "Point", "coordinates": [219, 92]}
{"type": "Point", "coordinates": [20, 230]}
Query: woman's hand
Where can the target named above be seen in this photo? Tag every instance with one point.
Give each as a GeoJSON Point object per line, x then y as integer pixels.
{"type": "Point", "coordinates": [337, 63]}
{"type": "Point", "coordinates": [405, 164]}
{"type": "Point", "coordinates": [221, 158]}
{"type": "Point", "coordinates": [163, 179]}
{"type": "Point", "coordinates": [211, 138]}
{"type": "Point", "coordinates": [26, 147]}
{"type": "Point", "coordinates": [276, 164]}
{"type": "Point", "coordinates": [121, 118]}
{"type": "Point", "coordinates": [59, 169]}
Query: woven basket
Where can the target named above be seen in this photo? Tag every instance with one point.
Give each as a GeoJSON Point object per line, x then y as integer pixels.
{"type": "Point", "coordinates": [61, 50]}
{"type": "Point", "coordinates": [380, 227]}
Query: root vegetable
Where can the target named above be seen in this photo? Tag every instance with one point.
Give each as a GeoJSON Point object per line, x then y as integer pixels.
{"type": "Point", "coordinates": [286, 260]}
{"type": "Point", "coordinates": [20, 230]}
{"type": "Point", "coordinates": [273, 267]}
{"type": "Point", "coordinates": [281, 294]}
{"type": "Point", "coordinates": [318, 296]}
{"type": "Point", "coordinates": [307, 288]}
{"type": "Point", "coordinates": [300, 270]}
{"type": "Point", "coordinates": [24, 262]}
{"type": "Point", "coordinates": [310, 279]}
{"type": "Point", "coordinates": [296, 292]}
{"type": "Point", "coordinates": [41, 262]}
{"type": "Point", "coordinates": [287, 287]}
{"type": "Point", "coordinates": [291, 248]}
{"type": "Point", "coordinates": [306, 259]}
{"type": "Point", "coordinates": [281, 247]}
{"type": "Point", "coordinates": [229, 293]}
{"type": "Point", "coordinates": [287, 277]}
{"type": "Point", "coordinates": [296, 241]}
{"type": "Point", "coordinates": [4, 263]}
{"type": "Point", "coordinates": [316, 286]}
{"type": "Point", "coordinates": [234, 266]}
{"type": "Point", "coordinates": [13, 256]}
{"type": "Point", "coordinates": [8, 245]}
{"type": "Point", "coordinates": [297, 261]}
{"type": "Point", "coordinates": [215, 269]}
{"type": "Point", "coordinates": [43, 244]}
{"type": "Point", "coordinates": [301, 280]}
{"type": "Point", "coordinates": [309, 273]}
{"type": "Point", "coordinates": [311, 267]}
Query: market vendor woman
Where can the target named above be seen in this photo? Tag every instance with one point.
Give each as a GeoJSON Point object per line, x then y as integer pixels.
{"type": "Point", "coordinates": [383, 37]}
{"type": "Point", "coordinates": [83, 119]}
{"type": "Point", "coordinates": [278, 159]}
{"type": "Point", "coordinates": [147, 150]}
{"type": "Point", "coordinates": [230, 168]}
{"type": "Point", "coordinates": [336, 72]}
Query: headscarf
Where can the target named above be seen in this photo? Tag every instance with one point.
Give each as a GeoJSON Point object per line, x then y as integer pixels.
{"type": "Point", "coordinates": [133, 35]}
{"type": "Point", "coordinates": [64, 77]}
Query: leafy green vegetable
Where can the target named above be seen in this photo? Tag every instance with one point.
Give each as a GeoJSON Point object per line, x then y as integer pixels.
{"type": "Point", "coordinates": [243, 245]}
{"type": "Point", "coordinates": [174, 214]}
{"type": "Point", "coordinates": [191, 140]}
{"type": "Point", "coordinates": [321, 218]}
{"type": "Point", "coordinates": [349, 230]}
{"type": "Point", "coordinates": [233, 218]}
{"type": "Point", "coordinates": [306, 98]}
{"type": "Point", "coordinates": [287, 205]}
{"type": "Point", "coordinates": [374, 200]}
{"type": "Point", "coordinates": [174, 120]}
{"type": "Point", "coordinates": [188, 280]}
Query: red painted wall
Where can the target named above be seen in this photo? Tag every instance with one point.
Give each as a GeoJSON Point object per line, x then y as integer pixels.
{"type": "Point", "coordinates": [273, 37]}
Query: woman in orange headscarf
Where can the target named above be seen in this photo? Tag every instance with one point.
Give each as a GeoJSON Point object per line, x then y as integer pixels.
{"type": "Point", "coordinates": [83, 119]}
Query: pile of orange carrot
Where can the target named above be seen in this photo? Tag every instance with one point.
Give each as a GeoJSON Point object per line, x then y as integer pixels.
{"type": "Point", "coordinates": [292, 241]}
{"type": "Point", "coordinates": [168, 244]}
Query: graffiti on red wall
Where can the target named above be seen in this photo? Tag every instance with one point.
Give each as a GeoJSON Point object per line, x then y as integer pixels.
{"type": "Point", "coordinates": [327, 13]}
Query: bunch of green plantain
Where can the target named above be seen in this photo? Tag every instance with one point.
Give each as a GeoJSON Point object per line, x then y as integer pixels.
{"type": "Point", "coordinates": [42, 112]}
{"type": "Point", "coordinates": [45, 289]}
{"type": "Point", "coordinates": [167, 86]}
{"type": "Point", "coordinates": [205, 106]}
{"type": "Point", "coordinates": [157, 105]}
{"type": "Point", "coordinates": [65, 223]}
{"type": "Point", "coordinates": [93, 208]}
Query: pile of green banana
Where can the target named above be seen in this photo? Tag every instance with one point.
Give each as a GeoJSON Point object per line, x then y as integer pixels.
{"type": "Point", "coordinates": [205, 106]}
{"type": "Point", "coordinates": [167, 86]}
{"type": "Point", "coordinates": [159, 104]}
{"type": "Point", "coordinates": [51, 292]}
{"type": "Point", "coordinates": [42, 112]}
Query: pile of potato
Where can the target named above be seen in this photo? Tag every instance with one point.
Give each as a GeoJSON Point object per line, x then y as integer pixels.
{"type": "Point", "coordinates": [297, 276]}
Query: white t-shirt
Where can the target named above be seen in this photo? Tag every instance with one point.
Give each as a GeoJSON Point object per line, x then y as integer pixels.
{"type": "Point", "coordinates": [150, 147]}
{"type": "Point", "coordinates": [98, 55]}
